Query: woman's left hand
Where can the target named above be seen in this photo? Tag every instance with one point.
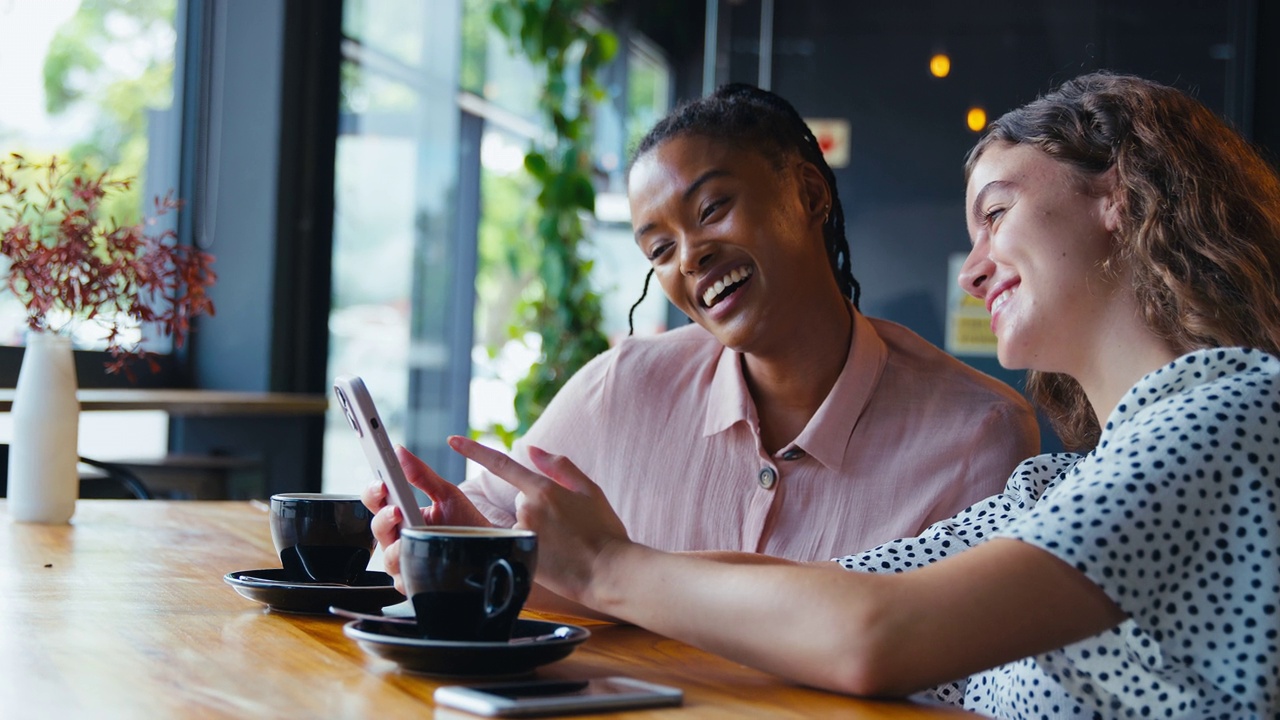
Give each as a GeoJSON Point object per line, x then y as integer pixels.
{"type": "Point", "coordinates": [575, 524]}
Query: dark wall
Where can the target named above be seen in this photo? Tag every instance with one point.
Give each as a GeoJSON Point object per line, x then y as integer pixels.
{"type": "Point", "coordinates": [265, 119]}
{"type": "Point", "coordinates": [868, 63]}
{"type": "Point", "coordinates": [903, 191]}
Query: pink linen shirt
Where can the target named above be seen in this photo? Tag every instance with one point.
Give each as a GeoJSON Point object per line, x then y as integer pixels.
{"type": "Point", "coordinates": [665, 425]}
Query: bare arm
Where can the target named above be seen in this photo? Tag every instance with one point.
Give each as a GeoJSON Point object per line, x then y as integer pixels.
{"type": "Point", "coordinates": [852, 632]}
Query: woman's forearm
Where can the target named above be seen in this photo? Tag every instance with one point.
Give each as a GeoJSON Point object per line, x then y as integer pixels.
{"type": "Point", "coordinates": [545, 601]}
{"type": "Point", "coordinates": [749, 610]}
{"type": "Point", "coordinates": [859, 633]}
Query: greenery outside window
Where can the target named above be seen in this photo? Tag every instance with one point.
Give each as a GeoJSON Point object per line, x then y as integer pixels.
{"type": "Point", "coordinates": [92, 81]}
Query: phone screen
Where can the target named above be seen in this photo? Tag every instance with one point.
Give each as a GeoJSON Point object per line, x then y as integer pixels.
{"type": "Point", "coordinates": [600, 686]}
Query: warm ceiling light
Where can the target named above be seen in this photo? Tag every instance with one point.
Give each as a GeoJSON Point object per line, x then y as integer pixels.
{"type": "Point", "coordinates": [977, 119]}
{"type": "Point", "coordinates": [940, 65]}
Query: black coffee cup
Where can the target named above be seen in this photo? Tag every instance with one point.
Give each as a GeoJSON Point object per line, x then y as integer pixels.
{"type": "Point", "coordinates": [467, 583]}
{"type": "Point", "coordinates": [322, 537]}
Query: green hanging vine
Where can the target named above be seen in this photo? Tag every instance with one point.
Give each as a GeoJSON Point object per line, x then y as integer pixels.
{"type": "Point", "coordinates": [551, 34]}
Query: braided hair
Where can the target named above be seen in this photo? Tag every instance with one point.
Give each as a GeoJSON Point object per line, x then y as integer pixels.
{"type": "Point", "coordinates": [759, 121]}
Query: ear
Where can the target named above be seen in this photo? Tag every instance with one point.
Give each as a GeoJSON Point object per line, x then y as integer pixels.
{"type": "Point", "coordinates": [815, 193]}
{"type": "Point", "coordinates": [1109, 188]}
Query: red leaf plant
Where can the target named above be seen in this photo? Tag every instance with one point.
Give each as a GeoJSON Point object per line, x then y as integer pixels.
{"type": "Point", "coordinates": [68, 264]}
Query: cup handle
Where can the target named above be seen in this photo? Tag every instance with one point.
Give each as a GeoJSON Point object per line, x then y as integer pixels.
{"type": "Point", "coordinates": [492, 582]}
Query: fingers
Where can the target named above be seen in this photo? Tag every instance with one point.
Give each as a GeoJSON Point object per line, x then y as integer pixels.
{"type": "Point", "coordinates": [391, 563]}
{"type": "Point", "coordinates": [498, 463]}
{"type": "Point", "coordinates": [557, 467]}
{"type": "Point", "coordinates": [386, 525]}
{"type": "Point", "coordinates": [386, 530]}
{"type": "Point", "coordinates": [374, 496]}
{"type": "Point", "coordinates": [420, 475]}
{"type": "Point", "coordinates": [561, 469]}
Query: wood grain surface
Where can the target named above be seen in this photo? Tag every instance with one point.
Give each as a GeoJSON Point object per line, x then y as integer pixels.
{"type": "Point", "coordinates": [124, 614]}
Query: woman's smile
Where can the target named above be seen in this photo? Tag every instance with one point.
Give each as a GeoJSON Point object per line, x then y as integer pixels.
{"type": "Point", "coordinates": [996, 301]}
{"type": "Point", "coordinates": [1041, 242]}
{"type": "Point", "coordinates": [718, 291]}
{"type": "Point", "coordinates": [734, 239]}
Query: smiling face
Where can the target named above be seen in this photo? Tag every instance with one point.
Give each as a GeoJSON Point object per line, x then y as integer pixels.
{"type": "Point", "coordinates": [735, 242]}
{"type": "Point", "coordinates": [1041, 233]}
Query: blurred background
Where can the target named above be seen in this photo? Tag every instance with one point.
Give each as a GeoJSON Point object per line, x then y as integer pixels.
{"type": "Point", "coordinates": [357, 167]}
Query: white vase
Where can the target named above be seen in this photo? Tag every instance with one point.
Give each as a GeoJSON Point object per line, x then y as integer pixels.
{"type": "Point", "coordinates": [43, 480]}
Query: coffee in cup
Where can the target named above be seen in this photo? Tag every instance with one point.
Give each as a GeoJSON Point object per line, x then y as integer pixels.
{"type": "Point", "coordinates": [322, 537]}
{"type": "Point", "coordinates": [467, 583]}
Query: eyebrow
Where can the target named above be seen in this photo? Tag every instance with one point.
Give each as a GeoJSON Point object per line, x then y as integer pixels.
{"type": "Point", "coordinates": [684, 197]}
{"type": "Point", "coordinates": [982, 194]}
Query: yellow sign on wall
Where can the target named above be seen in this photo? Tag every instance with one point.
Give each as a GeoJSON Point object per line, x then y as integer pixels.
{"type": "Point", "coordinates": [968, 323]}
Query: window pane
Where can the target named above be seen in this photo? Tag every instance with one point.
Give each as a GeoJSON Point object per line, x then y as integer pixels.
{"type": "Point", "coordinates": [648, 93]}
{"type": "Point", "coordinates": [506, 274]}
{"type": "Point", "coordinates": [396, 248]}
{"type": "Point", "coordinates": [91, 81]}
{"type": "Point", "coordinates": [373, 241]}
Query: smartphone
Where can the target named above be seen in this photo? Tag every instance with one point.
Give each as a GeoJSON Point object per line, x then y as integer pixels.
{"type": "Point", "coordinates": [363, 417]}
{"type": "Point", "coordinates": [554, 697]}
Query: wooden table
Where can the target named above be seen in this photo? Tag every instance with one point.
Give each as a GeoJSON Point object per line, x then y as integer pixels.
{"type": "Point", "coordinates": [124, 614]}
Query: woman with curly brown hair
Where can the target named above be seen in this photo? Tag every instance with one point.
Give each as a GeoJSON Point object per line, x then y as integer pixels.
{"type": "Point", "coordinates": [1127, 245]}
{"type": "Point", "coordinates": [1195, 204]}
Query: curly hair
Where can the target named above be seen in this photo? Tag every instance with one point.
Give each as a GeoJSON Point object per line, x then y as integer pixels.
{"type": "Point", "coordinates": [1199, 220]}
{"type": "Point", "coordinates": [759, 121]}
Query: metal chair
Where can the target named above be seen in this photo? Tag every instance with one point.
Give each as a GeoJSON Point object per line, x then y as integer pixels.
{"type": "Point", "coordinates": [115, 481]}
{"type": "Point", "coordinates": [118, 474]}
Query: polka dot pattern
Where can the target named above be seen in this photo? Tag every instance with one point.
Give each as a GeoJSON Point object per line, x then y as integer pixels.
{"type": "Point", "coordinates": [1174, 515]}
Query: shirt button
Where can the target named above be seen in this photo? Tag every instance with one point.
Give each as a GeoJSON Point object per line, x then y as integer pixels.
{"type": "Point", "coordinates": [768, 477]}
{"type": "Point", "coordinates": [793, 454]}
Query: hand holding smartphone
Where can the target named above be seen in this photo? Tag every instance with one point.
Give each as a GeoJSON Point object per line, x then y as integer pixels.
{"type": "Point", "coordinates": [363, 417]}
{"type": "Point", "coordinates": [555, 697]}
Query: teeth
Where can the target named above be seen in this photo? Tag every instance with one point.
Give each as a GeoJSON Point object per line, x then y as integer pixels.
{"type": "Point", "coordinates": [733, 276]}
{"type": "Point", "coordinates": [1001, 299]}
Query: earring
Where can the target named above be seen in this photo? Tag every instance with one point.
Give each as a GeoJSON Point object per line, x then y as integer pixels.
{"type": "Point", "coordinates": [826, 213]}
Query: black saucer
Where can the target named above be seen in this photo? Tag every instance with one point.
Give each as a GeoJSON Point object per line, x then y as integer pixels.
{"type": "Point", "coordinates": [401, 645]}
{"type": "Point", "coordinates": [371, 592]}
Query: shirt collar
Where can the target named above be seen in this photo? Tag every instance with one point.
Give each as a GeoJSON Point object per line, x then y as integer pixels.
{"type": "Point", "coordinates": [826, 437]}
{"type": "Point", "coordinates": [1199, 367]}
{"type": "Point", "coordinates": [728, 401]}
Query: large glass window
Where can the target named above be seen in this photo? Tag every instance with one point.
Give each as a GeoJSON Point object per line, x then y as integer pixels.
{"type": "Point", "coordinates": [505, 347]}
{"type": "Point", "coordinates": [378, 206]}
{"type": "Point", "coordinates": [410, 217]}
{"type": "Point", "coordinates": [91, 81]}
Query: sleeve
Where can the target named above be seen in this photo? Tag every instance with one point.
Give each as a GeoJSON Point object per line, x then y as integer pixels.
{"type": "Point", "coordinates": [1177, 522]}
{"type": "Point", "coordinates": [972, 525]}
{"type": "Point", "coordinates": [982, 447]}
{"type": "Point", "coordinates": [1002, 439]}
{"type": "Point", "coordinates": [571, 426]}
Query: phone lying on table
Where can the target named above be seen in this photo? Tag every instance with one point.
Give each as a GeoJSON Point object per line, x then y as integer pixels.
{"type": "Point", "coordinates": [363, 417]}
{"type": "Point", "coordinates": [554, 697]}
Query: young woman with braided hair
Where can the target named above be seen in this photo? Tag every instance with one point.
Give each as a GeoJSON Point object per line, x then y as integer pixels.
{"type": "Point", "coordinates": [782, 421]}
{"type": "Point", "coordinates": [739, 107]}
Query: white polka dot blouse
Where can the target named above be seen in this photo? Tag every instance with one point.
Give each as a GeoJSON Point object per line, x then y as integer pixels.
{"type": "Point", "coordinates": [1174, 515]}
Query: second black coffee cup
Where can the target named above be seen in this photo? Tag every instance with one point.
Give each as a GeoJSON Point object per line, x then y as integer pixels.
{"type": "Point", "coordinates": [322, 537]}
{"type": "Point", "coordinates": [467, 583]}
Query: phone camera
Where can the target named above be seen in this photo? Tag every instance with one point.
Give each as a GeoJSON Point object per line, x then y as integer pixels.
{"type": "Point", "coordinates": [346, 408]}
